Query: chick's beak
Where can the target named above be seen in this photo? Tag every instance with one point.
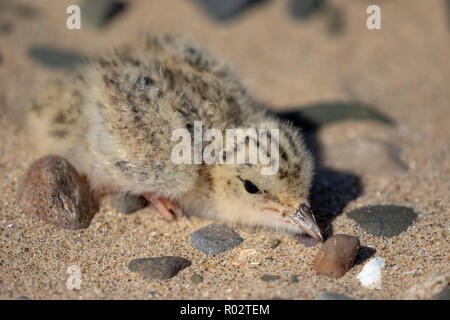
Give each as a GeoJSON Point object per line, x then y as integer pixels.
{"type": "Point", "coordinates": [304, 219]}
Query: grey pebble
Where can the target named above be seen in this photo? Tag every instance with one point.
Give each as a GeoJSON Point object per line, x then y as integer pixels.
{"type": "Point", "coordinates": [160, 267]}
{"type": "Point", "coordinates": [384, 220]}
{"type": "Point", "coordinates": [56, 58]}
{"type": "Point", "coordinates": [302, 9]}
{"type": "Point", "coordinates": [215, 238]}
{"type": "Point", "coordinates": [334, 296]}
{"type": "Point", "coordinates": [224, 10]}
{"type": "Point", "coordinates": [317, 115]}
{"type": "Point", "coordinates": [365, 156]}
{"type": "Point", "coordinates": [274, 243]}
{"type": "Point", "coordinates": [127, 203]}
{"type": "Point", "coordinates": [196, 278]}
{"type": "Point", "coordinates": [443, 295]}
{"type": "Point", "coordinates": [98, 13]}
{"type": "Point", "coordinates": [270, 277]}
{"type": "Point", "coordinates": [293, 278]}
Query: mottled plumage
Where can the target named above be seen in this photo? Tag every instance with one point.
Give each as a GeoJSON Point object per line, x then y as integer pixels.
{"type": "Point", "coordinates": [114, 121]}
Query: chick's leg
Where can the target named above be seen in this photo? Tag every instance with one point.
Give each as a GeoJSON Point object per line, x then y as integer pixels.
{"type": "Point", "coordinates": [168, 209]}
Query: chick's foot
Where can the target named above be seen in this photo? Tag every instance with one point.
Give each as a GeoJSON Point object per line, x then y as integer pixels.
{"type": "Point", "coordinates": [168, 209]}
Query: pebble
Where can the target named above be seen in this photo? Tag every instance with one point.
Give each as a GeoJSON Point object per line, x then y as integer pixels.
{"type": "Point", "coordinates": [384, 220]}
{"type": "Point", "coordinates": [52, 191]}
{"type": "Point", "coordinates": [56, 58]}
{"type": "Point", "coordinates": [370, 275]}
{"type": "Point", "coordinates": [99, 13]}
{"type": "Point", "coordinates": [302, 9]}
{"type": "Point", "coordinates": [334, 296]}
{"type": "Point", "coordinates": [127, 203]}
{"type": "Point", "coordinates": [336, 256]}
{"type": "Point", "coordinates": [293, 278]}
{"type": "Point", "coordinates": [270, 277]}
{"type": "Point", "coordinates": [274, 243]}
{"type": "Point", "coordinates": [225, 10]}
{"type": "Point", "coordinates": [365, 156]}
{"type": "Point", "coordinates": [318, 115]}
{"type": "Point", "coordinates": [160, 268]}
{"type": "Point", "coordinates": [196, 278]}
{"type": "Point", "coordinates": [443, 295]}
{"type": "Point", "coordinates": [215, 238]}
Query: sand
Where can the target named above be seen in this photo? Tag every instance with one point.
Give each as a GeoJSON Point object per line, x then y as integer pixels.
{"type": "Point", "coordinates": [402, 70]}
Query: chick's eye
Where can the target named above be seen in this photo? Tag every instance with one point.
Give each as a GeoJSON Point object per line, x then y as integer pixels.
{"type": "Point", "coordinates": [250, 187]}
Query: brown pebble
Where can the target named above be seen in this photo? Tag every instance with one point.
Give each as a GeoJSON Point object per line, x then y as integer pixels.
{"type": "Point", "coordinates": [336, 256]}
{"type": "Point", "coordinates": [53, 191]}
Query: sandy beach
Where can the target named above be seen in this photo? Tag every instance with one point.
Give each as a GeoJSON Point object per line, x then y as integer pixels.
{"type": "Point", "coordinates": [402, 71]}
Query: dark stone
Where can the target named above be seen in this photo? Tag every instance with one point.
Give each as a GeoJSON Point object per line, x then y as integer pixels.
{"type": "Point", "coordinates": [160, 267]}
{"type": "Point", "coordinates": [99, 13]}
{"type": "Point", "coordinates": [55, 58]}
{"type": "Point", "coordinates": [293, 278]}
{"type": "Point", "coordinates": [215, 239]}
{"type": "Point", "coordinates": [196, 278]}
{"type": "Point", "coordinates": [443, 295]}
{"type": "Point", "coordinates": [127, 203]}
{"type": "Point", "coordinates": [52, 191]}
{"type": "Point", "coordinates": [336, 256]}
{"type": "Point", "coordinates": [270, 277]}
{"type": "Point", "coordinates": [334, 296]}
{"type": "Point", "coordinates": [314, 116]}
{"type": "Point", "coordinates": [274, 243]}
{"type": "Point", "coordinates": [302, 9]}
{"type": "Point", "coordinates": [365, 156]}
{"type": "Point", "coordinates": [384, 220]}
{"type": "Point", "coordinates": [225, 10]}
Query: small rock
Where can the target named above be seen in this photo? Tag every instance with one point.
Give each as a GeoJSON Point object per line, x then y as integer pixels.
{"type": "Point", "coordinates": [293, 278]}
{"type": "Point", "coordinates": [384, 220]}
{"type": "Point", "coordinates": [365, 156]}
{"type": "Point", "coordinates": [370, 275]}
{"type": "Point", "coordinates": [443, 295]}
{"type": "Point", "coordinates": [161, 268]}
{"type": "Point", "coordinates": [270, 277]}
{"type": "Point", "coordinates": [302, 9]}
{"type": "Point", "coordinates": [274, 243]}
{"type": "Point", "coordinates": [336, 256]}
{"type": "Point", "coordinates": [55, 58]}
{"type": "Point", "coordinates": [196, 278]}
{"type": "Point", "coordinates": [52, 191]}
{"type": "Point", "coordinates": [98, 13]}
{"type": "Point", "coordinates": [307, 240]}
{"type": "Point", "coordinates": [225, 10]}
{"type": "Point", "coordinates": [127, 203]}
{"type": "Point", "coordinates": [315, 116]}
{"type": "Point", "coordinates": [334, 296]}
{"type": "Point", "coordinates": [215, 239]}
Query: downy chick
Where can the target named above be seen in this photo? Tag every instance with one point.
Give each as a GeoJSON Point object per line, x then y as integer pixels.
{"type": "Point", "coordinates": [114, 120]}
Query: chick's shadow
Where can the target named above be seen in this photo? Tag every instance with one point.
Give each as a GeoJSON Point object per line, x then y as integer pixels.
{"type": "Point", "coordinates": [331, 190]}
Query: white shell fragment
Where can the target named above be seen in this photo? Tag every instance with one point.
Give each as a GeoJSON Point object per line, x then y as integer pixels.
{"type": "Point", "coordinates": [370, 275]}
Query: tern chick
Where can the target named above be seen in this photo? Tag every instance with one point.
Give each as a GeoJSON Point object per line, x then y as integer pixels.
{"type": "Point", "coordinates": [114, 120]}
